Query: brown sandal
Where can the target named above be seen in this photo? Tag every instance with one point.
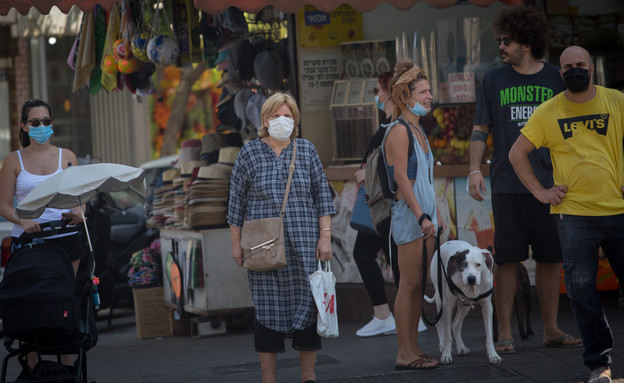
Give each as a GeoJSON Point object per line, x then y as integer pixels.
{"type": "Point", "coordinates": [422, 363]}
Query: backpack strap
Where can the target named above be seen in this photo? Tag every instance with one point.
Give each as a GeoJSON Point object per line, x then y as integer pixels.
{"type": "Point", "coordinates": [410, 136]}
{"type": "Point", "coordinates": [391, 184]}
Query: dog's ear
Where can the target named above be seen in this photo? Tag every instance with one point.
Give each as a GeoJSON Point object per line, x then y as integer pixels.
{"type": "Point", "coordinates": [452, 267]}
{"type": "Point", "coordinates": [489, 260]}
{"type": "Point", "coordinates": [455, 261]}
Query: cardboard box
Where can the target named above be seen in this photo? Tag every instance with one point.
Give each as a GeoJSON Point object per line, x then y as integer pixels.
{"type": "Point", "coordinates": [152, 317]}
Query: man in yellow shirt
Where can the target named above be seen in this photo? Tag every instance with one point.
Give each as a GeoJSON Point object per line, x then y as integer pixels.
{"type": "Point", "coordinates": [584, 129]}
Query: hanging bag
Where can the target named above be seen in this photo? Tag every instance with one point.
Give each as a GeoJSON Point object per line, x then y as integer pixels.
{"type": "Point", "coordinates": [263, 239]}
{"type": "Point", "coordinates": [323, 286]}
{"type": "Point", "coordinates": [361, 219]}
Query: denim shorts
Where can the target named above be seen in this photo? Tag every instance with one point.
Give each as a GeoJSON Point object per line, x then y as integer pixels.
{"type": "Point", "coordinates": [405, 227]}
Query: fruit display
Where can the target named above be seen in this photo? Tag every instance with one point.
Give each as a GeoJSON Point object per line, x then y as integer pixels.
{"type": "Point", "coordinates": [450, 137]}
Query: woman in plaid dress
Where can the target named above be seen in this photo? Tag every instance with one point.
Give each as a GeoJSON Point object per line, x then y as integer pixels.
{"type": "Point", "coordinates": [284, 306]}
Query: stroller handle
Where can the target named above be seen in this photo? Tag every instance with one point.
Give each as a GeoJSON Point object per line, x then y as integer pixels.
{"type": "Point", "coordinates": [49, 229]}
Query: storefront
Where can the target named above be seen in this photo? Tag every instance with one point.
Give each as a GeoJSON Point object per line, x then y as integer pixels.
{"type": "Point", "coordinates": [325, 43]}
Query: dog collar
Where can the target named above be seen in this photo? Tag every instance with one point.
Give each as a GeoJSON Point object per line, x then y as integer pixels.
{"type": "Point", "coordinates": [462, 297]}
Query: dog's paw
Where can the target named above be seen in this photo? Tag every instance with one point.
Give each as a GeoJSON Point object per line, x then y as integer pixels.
{"type": "Point", "coordinates": [446, 358]}
{"type": "Point", "coordinates": [495, 359]}
{"type": "Point", "coordinates": [463, 351]}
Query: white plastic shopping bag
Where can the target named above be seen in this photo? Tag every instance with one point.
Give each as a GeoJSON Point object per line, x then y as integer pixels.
{"type": "Point", "coordinates": [323, 285]}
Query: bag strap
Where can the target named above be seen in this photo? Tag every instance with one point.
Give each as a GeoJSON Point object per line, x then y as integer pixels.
{"type": "Point", "coordinates": [291, 170]}
{"type": "Point", "coordinates": [410, 149]}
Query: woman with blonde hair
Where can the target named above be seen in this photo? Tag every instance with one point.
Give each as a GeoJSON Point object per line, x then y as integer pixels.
{"type": "Point", "coordinates": [415, 219]}
{"type": "Point", "coordinates": [284, 306]}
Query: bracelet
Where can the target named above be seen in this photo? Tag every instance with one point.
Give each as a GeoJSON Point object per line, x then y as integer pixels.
{"type": "Point", "coordinates": [325, 229]}
{"type": "Point", "coordinates": [423, 217]}
{"type": "Point", "coordinates": [474, 172]}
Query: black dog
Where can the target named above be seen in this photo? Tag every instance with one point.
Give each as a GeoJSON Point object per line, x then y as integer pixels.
{"type": "Point", "coordinates": [522, 304]}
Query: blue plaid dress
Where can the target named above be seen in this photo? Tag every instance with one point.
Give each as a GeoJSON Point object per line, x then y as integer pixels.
{"type": "Point", "coordinates": [282, 297]}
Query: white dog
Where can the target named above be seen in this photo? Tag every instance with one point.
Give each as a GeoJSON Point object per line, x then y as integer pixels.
{"type": "Point", "coordinates": [469, 281]}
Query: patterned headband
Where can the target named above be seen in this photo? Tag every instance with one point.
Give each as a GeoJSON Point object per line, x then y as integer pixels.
{"type": "Point", "coordinates": [401, 87]}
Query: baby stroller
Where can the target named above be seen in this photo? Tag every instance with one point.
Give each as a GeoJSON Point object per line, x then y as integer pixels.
{"type": "Point", "coordinates": [46, 309]}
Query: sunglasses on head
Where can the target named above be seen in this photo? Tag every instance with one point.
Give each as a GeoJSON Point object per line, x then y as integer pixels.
{"type": "Point", "coordinates": [504, 40]}
{"type": "Point", "coordinates": [35, 122]}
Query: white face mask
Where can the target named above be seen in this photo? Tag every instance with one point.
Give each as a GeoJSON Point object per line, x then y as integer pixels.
{"type": "Point", "coordinates": [281, 128]}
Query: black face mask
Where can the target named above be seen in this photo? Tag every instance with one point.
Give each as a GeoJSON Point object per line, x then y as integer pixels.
{"type": "Point", "coordinates": [576, 79]}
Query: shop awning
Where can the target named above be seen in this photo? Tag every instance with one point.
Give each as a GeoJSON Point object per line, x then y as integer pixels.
{"type": "Point", "coordinates": [253, 6]}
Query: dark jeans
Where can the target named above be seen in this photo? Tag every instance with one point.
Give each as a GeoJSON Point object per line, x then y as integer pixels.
{"type": "Point", "coordinates": [580, 238]}
{"type": "Point", "coordinates": [365, 255]}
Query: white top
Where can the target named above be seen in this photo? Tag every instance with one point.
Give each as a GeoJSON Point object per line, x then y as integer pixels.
{"type": "Point", "coordinates": [27, 181]}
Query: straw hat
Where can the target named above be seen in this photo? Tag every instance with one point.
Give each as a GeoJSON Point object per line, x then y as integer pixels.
{"type": "Point", "coordinates": [211, 172]}
{"type": "Point", "coordinates": [187, 167]}
{"type": "Point", "coordinates": [169, 175]}
{"type": "Point", "coordinates": [228, 155]}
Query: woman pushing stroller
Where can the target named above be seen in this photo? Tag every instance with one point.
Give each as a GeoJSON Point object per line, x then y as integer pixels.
{"type": "Point", "coordinates": [24, 169]}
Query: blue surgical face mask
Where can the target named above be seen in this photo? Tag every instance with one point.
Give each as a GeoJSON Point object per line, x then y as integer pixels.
{"type": "Point", "coordinates": [380, 105]}
{"type": "Point", "coordinates": [418, 109]}
{"type": "Point", "coordinates": [41, 133]}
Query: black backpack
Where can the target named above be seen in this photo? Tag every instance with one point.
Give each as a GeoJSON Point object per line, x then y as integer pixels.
{"type": "Point", "coordinates": [379, 193]}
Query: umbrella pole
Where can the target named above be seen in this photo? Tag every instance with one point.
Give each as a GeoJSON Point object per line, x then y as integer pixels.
{"type": "Point", "coordinates": [84, 221]}
{"type": "Point", "coordinates": [94, 280]}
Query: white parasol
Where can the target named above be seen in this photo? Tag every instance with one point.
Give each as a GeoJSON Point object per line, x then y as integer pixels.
{"type": "Point", "coordinates": [76, 185]}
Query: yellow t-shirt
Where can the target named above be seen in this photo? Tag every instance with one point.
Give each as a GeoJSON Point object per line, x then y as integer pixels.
{"type": "Point", "coordinates": [586, 147]}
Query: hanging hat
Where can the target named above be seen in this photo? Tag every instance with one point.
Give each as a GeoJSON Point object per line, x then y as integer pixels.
{"type": "Point", "coordinates": [225, 77]}
{"type": "Point", "coordinates": [222, 57]}
{"type": "Point", "coordinates": [227, 115]}
{"type": "Point", "coordinates": [226, 45]}
{"type": "Point", "coordinates": [224, 98]}
{"type": "Point", "coordinates": [269, 69]}
{"type": "Point", "coordinates": [240, 60]}
{"type": "Point", "coordinates": [234, 19]}
{"type": "Point", "coordinates": [254, 106]}
{"type": "Point", "coordinates": [240, 104]}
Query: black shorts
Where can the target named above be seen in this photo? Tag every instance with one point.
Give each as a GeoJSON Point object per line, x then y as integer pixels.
{"type": "Point", "coordinates": [267, 340]}
{"type": "Point", "coordinates": [521, 220]}
{"type": "Point", "coordinates": [73, 244]}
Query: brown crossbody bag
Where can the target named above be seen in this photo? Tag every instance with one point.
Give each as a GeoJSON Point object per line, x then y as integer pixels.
{"type": "Point", "coordinates": [263, 239]}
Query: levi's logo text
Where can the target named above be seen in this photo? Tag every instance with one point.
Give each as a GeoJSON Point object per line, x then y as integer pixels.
{"type": "Point", "coordinates": [596, 122]}
{"type": "Point", "coordinates": [316, 18]}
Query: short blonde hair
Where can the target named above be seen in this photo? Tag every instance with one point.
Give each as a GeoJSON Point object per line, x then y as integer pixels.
{"type": "Point", "coordinates": [271, 105]}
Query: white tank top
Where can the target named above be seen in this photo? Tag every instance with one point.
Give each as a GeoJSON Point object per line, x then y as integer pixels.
{"type": "Point", "coordinates": [27, 181]}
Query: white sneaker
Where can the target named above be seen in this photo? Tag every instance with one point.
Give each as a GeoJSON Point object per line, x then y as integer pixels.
{"type": "Point", "coordinates": [377, 326]}
{"type": "Point", "coordinates": [421, 326]}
